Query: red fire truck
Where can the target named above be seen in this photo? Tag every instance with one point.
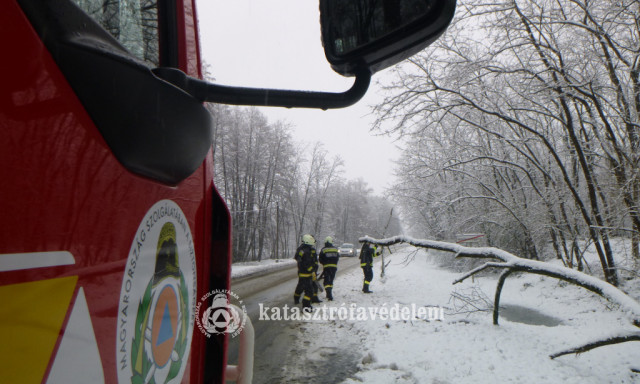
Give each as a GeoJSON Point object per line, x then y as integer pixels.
{"type": "Point", "coordinates": [111, 229]}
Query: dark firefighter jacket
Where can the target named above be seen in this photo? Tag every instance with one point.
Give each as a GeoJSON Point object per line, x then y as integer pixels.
{"type": "Point", "coordinates": [307, 260]}
{"type": "Point", "coordinates": [329, 256]}
{"type": "Point", "coordinates": [366, 255]}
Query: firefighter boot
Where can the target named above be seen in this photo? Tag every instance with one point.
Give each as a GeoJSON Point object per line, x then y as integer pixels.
{"type": "Point", "coordinates": [306, 304]}
{"type": "Point", "coordinates": [365, 288]}
{"type": "Point", "coordinates": [296, 298]}
{"type": "Point", "coordinates": [315, 298]}
{"type": "Point", "coordinates": [329, 295]}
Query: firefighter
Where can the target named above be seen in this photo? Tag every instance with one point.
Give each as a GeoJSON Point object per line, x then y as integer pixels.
{"type": "Point", "coordinates": [329, 257]}
{"type": "Point", "coordinates": [305, 256]}
{"type": "Point", "coordinates": [367, 253]}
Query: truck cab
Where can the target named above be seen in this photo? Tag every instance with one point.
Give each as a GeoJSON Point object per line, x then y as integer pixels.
{"type": "Point", "coordinates": [109, 230]}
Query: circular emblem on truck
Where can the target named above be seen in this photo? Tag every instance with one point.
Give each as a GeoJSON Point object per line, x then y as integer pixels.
{"type": "Point", "coordinates": [157, 299]}
{"type": "Point", "coordinates": [220, 311]}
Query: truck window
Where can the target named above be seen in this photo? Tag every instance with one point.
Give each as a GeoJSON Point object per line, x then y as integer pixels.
{"type": "Point", "coordinates": [133, 23]}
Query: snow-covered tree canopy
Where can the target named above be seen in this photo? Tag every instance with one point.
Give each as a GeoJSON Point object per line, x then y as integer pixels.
{"type": "Point", "coordinates": [522, 122]}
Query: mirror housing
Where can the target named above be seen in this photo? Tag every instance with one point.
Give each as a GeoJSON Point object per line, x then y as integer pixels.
{"type": "Point", "coordinates": [375, 34]}
{"type": "Point", "coordinates": [154, 129]}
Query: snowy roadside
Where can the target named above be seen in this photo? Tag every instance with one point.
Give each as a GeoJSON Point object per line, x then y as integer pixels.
{"type": "Point", "coordinates": [252, 268]}
{"type": "Point", "coordinates": [466, 347]}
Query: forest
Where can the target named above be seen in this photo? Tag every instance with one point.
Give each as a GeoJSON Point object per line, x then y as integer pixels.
{"type": "Point", "coordinates": [277, 189]}
{"type": "Point", "coordinates": [521, 123]}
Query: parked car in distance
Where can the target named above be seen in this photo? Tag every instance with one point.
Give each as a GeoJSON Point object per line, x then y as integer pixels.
{"type": "Point", "coordinates": [347, 249]}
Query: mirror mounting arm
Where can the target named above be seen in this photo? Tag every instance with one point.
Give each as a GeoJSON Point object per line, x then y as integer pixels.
{"type": "Point", "coordinates": [209, 92]}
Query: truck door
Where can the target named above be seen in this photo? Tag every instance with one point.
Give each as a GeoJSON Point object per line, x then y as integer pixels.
{"type": "Point", "coordinates": [110, 227]}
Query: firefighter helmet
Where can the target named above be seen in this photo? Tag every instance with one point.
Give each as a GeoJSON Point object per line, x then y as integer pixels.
{"type": "Point", "coordinates": [308, 239]}
{"type": "Point", "coordinates": [329, 240]}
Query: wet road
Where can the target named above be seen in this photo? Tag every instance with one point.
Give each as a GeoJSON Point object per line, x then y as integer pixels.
{"type": "Point", "coordinates": [276, 354]}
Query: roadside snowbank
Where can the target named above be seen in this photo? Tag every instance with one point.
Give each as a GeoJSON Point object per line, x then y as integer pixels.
{"type": "Point", "coordinates": [242, 270]}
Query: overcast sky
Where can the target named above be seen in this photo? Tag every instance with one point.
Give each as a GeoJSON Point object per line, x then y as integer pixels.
{"type": "Point", "coordinates": [276, 44]}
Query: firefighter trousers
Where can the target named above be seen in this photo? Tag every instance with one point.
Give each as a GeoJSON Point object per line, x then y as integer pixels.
{"type": "Point", "coordinates": [368, 277]}
{"type": "Point", "coordinates": [329, 274]}
{"type": "Point", "coordinates": [305, 286]}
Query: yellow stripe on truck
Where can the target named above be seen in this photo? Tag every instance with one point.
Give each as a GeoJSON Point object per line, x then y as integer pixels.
{"type": "Point", "coordinates": [31, 316]}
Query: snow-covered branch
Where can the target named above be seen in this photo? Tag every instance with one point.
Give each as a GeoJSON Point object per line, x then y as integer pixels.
{"type": "Point", "coordinates": [599, 343]}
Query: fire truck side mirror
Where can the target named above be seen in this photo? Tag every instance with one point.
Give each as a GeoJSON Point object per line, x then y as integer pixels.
{"type": "Point", "coordinates": [375, 34]}
{"type": "Point", "coordinates": [360, 37]}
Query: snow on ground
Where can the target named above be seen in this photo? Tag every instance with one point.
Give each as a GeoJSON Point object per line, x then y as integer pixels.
{"type": "Point", "coordinates": [467, 347]}
{"type": "Point", "coordinates": [240, 270]}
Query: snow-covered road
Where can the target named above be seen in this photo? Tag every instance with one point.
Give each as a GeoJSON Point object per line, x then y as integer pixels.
{"type": "Point", "coordinates": [278, 341]}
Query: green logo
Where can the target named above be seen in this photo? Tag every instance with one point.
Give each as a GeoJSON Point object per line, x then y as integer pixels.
{"type": "Point", "coordinates": [157, 300]}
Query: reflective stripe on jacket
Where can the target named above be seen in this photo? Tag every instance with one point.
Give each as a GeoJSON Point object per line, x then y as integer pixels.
{"type": "Point", "coordinates": [329, 256]}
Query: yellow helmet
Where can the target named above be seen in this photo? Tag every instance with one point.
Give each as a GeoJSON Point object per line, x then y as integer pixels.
{"type": "Point", "coordinates": [308, 239]}
{"type": "Point", "coordinates": [329, 240]}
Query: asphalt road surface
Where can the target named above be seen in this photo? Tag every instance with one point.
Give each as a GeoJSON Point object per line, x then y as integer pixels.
{"type": "Point", "coordinates": [277, 359]}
